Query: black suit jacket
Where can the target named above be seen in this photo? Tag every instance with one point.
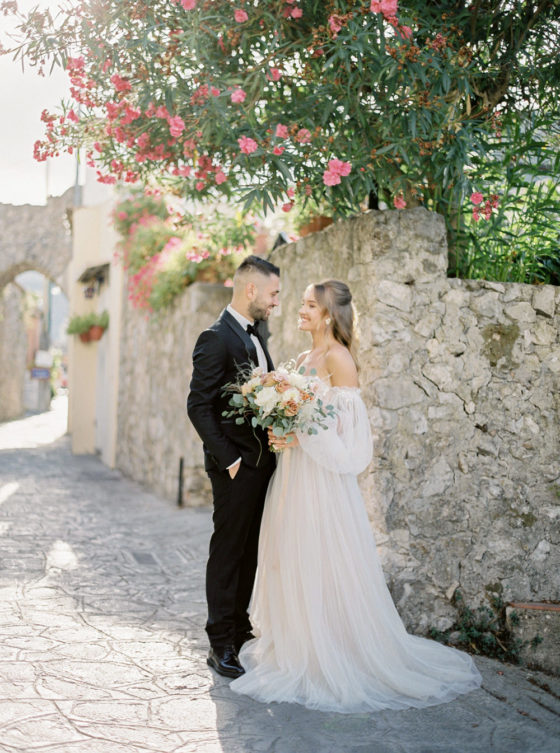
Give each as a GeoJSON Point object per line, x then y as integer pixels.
{"type": "Point", "coordinates": [221, 352]}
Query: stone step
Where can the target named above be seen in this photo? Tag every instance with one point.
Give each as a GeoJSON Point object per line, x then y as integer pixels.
{"type": "Point", "coordinates": [538, 619]}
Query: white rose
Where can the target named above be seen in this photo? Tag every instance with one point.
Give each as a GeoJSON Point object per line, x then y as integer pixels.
{"type": "Point", "coordinates": [266, 399]}
{"type": "Point", "coordinates": [291, 394]}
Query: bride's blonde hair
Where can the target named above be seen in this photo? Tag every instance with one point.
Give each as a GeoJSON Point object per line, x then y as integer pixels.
{"type": "Point", "coordinates": [335, 299]}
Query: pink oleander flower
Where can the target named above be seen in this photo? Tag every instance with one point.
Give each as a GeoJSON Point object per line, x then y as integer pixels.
{"type": "Point", "coordinates": [296, 13]}
{"type": "Point", "coordinates": [162, 112]}
{"type": "Point", "coordinates": [404, 31]}
{"type": "Point", "coordinates": [122, 215]}
{"type": "Point", "coordinates": [120, 84]}
{"type": "Point", "coordinates": [240, 16]}
{"type": "Point", "coordinates": [330, 178]}
{"type": "Point", "coordinates": [278, 150]}
{"type": "Point", "coordinates": [72, 116]}
{"type": "Point", "coordinates": [188, 4]}
{"type": "Point", "coordinates": [184, 170]}
{"type": "Point", "coordinates": [214, 91]}
{"type": "Point", "coordinates": [287, 206]}
{"type": "Point", "coordinates": [387, 7]}
{"type": "Point", "coordinates": [303, 136]}
{"type": "Point", "coordinates": [475, 214]}
{"type": "Point", "coordinates": [199, 185]}
{"type": "Point", "coordinates": [275, 74]}
{"type": "Point", "coordinates": [291, 192]}
{"type": "Point", "coordinates": [247, 145]}
{"type": "Point", "coordinates": [176, 126]}
{"type": "Point", "coordinates": [238, 96]}
{"type": "Point", "coordinates": [220, 177]}
{"type": "Point", "coordinates": [477, 198]}
{"type": "Point", "coordinates": [339, 167]}
{"type": "Point", "coordinates": [335, 24]}
{"type": "Point", "coordinates": [399, 202]}
{"type": "Point", "coordinates": [281, 131]}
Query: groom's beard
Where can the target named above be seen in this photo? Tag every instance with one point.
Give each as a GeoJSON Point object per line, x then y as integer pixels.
{"type": "Point", "coordinates": [259, 311]}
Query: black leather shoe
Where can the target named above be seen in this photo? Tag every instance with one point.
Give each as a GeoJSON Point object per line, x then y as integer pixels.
{"type": "Point", "coordinates": [225, 662]}
{"type": "Point", "coordinates": [241, 639]}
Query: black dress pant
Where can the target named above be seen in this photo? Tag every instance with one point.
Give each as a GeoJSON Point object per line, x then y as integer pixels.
{"type": "Point", "coordinates": [232, 562]}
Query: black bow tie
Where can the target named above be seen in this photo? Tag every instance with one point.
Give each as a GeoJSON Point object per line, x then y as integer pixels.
{"type": "Point", "coordinates": [252, 330]}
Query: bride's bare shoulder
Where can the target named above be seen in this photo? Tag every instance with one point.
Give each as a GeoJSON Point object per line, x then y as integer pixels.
{"type": "Point", "coordinates": [301, 358]}
{"type": "Point", "coordinates": [342, 367]}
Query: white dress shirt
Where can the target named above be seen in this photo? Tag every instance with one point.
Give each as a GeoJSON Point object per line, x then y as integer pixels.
{"type": "Point", "coordinates": [244, 322]}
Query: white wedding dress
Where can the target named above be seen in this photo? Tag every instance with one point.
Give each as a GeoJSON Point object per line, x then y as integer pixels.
{"type": "Point", "coordinates": [328, 634]}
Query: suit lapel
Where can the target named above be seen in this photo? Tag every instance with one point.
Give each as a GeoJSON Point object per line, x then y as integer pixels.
{"type": "Point", "coordinates": [250, 349]}
{"type": "Point", "coordinates": [238, 330]}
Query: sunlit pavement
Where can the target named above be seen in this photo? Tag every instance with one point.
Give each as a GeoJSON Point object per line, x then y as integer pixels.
{"type": "Point", "coordinates": [102, 647]}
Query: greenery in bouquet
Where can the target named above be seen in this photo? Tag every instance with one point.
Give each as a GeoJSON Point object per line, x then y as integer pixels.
{"type": "Point", "coordinates": [283, 400]}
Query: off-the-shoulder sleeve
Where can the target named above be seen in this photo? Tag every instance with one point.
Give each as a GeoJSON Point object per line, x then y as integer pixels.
{"type": "Point", "coordinates": [346, 445]}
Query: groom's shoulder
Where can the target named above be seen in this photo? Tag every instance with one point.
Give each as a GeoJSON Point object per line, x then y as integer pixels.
{"type": "Point", "coordinates": [215, 332]}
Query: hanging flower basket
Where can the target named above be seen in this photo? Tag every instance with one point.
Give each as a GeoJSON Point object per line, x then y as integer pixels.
{"type": "Point", "coordinates": [96, 332]}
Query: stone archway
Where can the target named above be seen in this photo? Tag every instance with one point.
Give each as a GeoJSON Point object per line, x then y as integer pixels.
{"type": "Point", "coordinates": [36, 237]}
{"type": "Point", "coordinates": [31, 238]}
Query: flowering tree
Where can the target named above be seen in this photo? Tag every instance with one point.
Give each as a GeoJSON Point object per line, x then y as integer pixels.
{"type": "Point", "coordinates": [266, 101]}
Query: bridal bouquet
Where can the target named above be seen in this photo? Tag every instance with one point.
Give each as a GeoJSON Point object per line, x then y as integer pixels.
{"type": "Point", "coordinates": [283, 400]}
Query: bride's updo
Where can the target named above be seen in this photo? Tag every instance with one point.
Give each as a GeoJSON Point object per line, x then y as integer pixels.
{"type": "Point", "coordinates": [335, 299]}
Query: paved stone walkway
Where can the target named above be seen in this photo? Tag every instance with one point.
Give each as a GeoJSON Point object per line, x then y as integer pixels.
{"type": "Point", "coordinates": [102, 645]}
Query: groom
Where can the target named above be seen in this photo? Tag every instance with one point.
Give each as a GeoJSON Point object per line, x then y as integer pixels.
{"type": "Point", "coordinates": [236, 457]}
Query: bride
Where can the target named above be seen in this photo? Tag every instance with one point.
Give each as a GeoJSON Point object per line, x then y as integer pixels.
{"type": "Point", "coordinates": [328, 634]}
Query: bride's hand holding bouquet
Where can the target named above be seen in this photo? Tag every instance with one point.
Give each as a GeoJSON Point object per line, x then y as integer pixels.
{"type": "Point", "coordinates": [279, 401]}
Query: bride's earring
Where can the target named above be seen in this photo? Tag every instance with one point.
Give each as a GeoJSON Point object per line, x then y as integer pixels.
{"type": "Point", "coordinates": [327, 321]}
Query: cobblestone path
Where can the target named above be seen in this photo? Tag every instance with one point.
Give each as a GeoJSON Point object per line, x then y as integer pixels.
{"type": "Point", "coordinates": [102, 645]}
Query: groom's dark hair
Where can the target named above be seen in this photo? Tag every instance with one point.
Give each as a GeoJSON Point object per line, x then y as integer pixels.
{"type": "Point", "coordinates": [257, 264]}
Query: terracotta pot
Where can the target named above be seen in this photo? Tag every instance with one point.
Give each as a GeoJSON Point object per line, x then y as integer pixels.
{"type": "Point", "coordinates": [317, 223]}
{"type": "Point", "coordinates": [85, 336]}
{"type": "Point", "coordinates": [96, 332]}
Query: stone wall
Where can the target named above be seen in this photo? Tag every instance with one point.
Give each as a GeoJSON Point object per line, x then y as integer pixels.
{"type": "Point", "coordinates": [36, 237]}
{"type": "Point", "coordinates": [153, 428]}
{"type": "Point", "coordinates": [461, 379]}
{"type": "Point", "coordinates": [13, 349]}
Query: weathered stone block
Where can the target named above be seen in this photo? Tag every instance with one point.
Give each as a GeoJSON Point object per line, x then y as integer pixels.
{"type": "Point", "coordinates": [539, 626]}
{"type": "Point", "coordinates": [521, 312]}
{"type": "Point", "coordinates": [543, 300]}
{"type": "Point", "coordinates": [394, 294]}
{"type": "Point", "coordinates": [397, 393]}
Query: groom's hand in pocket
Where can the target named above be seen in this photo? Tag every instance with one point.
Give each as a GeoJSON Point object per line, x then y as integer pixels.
{"type": "Point", "coordinates": [233, 469]}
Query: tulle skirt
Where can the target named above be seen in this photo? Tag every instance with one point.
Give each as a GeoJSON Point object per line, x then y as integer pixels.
{"type": "Point", "coordinates": [328, 634]}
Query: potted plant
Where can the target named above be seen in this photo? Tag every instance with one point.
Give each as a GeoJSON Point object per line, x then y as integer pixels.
{"type": "Point", "coordinates": [100, 322]}
{"type": "Point", "coordinates": [81, 325]}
